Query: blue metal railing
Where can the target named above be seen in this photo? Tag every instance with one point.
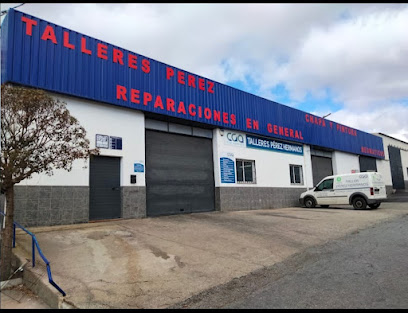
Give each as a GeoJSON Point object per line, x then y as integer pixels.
{"type": "Point", "coordinates": [33, 245]}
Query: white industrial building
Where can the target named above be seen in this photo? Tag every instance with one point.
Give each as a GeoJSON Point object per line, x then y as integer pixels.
{"type": "Point", "coordinates": [172, 142]}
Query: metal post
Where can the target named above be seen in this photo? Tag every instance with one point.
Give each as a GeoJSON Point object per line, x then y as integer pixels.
{"type": "Point", "coordinates": [14, 235]}
{"type": "Point", "coordinates": [5, 206]}
{"type": "Point", "coordinates": [33, 247]}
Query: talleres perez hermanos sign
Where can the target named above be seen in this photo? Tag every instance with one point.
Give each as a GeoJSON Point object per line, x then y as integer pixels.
{"type": "Point", "coordinates": [44, 55]}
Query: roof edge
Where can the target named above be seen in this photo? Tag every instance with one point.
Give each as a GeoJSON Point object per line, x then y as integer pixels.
{"type": "Point", "coordinates": [391, 137]}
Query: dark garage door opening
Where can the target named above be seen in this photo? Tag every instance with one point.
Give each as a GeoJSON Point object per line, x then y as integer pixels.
{"type": "Point", "coordinates": [396, 168]}
{"type": "Point", "coordinates": [179, 174]}
{"type": "Point", "coordinates": [321, 167]}
{"type": "Point", "coordinates": [367, 164]}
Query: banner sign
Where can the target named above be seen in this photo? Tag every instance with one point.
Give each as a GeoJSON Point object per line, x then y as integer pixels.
{"type": "Point", "coordinates": [234, 138]}
{"type": "Point", "coordinates": [43, 55]}
{"type": "Point", "coordinates": [273, 145]}
{"type": "Point", "coordinates": [227, 168]}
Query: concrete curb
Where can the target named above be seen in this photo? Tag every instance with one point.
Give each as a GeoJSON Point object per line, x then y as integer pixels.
{"type": "Point", "coordinates": [10, 283]}
{"type": "Point", "coordinates": [36, 279]}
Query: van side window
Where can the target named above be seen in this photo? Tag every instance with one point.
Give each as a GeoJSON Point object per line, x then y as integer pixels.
{"type": "Point", "coordinates": [326, 184]}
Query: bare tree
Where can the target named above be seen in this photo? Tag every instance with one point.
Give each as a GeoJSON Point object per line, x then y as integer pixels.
{"type": "Point", "coordinates": [38, 135]}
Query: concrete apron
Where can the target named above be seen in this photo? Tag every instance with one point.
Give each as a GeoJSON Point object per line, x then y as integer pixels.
{"type": "Point", "coordinates": [158, 262]}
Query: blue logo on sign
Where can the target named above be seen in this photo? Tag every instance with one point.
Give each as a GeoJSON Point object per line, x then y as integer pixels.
{"type": "Point", "coordinates": [139, 167]}
{"type": "Point", "coordinates": [235, 137]}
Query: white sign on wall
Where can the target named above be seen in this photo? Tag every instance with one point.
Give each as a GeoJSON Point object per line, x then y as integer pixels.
{"type": "Point", "coordinates": [108, 142]}
{"type": "Point", "coordinates": [102, 141]}
{"type": "Point", "coordinates": [234, 138]}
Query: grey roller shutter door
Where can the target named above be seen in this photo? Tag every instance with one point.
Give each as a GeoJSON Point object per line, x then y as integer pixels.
{"type": "Point", "coordinates": [179, 174]}
{"type": "Point", "coordinates": [367, 164]}
{"type": "Point", "coordinates": [321, 167]}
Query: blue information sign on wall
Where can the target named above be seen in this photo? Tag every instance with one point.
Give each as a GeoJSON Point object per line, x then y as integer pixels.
{"type": "Point", "coordinates": [227, 167]}
{"type": "Point", "coordinates": [116, 143]}
{"type": "Point", "coordinates": [273, 145]}
{"type": "Point", "coordinates": [139, 167]}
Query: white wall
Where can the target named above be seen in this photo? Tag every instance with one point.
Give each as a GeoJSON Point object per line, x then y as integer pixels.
{"type": "Point", "coordinates": [98, 118]}
{"type": "Point", "coordinates": [383, 167]}
{"type": "Point", "coordinates": [308, 170]}
{"type": "Point", "coordinates": [272, 168]}
{"type": "Point", "coordinates": [344, 163]}
{"type": "Point", "coordinates": [404, 159]}
{"type": "Point", "coordinates": [389, 141]}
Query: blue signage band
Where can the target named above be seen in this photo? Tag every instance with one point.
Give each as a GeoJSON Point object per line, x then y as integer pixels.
{"type": "Point", "coordinates": [273, 145]}
{"type": "Point", "coordinates": [41, 54]}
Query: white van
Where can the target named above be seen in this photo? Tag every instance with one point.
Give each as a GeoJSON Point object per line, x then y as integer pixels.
{"type": "Point", "coordinates": [358, 189]}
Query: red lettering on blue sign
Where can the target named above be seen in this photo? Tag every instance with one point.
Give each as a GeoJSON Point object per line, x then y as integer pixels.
{"type": "Point", "coordinates": [172, 106]}
{"type": "Point", "coordinates": [29, 25]}
{"type": "Point", "coordinates": [371, 151]}
{"type": "Point", "coordinates": [321, 122]}
{"type": "Point", "coordinates": [49, 34]}
{"type": "Point", "coordinates": [146, 66]}
{"type": "Point", "coordinates": [83, 47]}
{"type": "Point", "coordinates": [284, 131]}
{"type": "Point", "coordinates": [102, 51]}
{"type": "Point", "coordinates": [203, 84]}
{"type": "Point", "coordinates": [117, 55]}
{"type": "Point", "coordinates": [315, 120]}
{"type": "Point", "coordinates": [66, 41]}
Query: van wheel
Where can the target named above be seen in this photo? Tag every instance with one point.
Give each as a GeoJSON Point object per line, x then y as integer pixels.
{"type": "Point", "coordinates": [310, 203]}
{"type": "Point", "coordinates": [374, 206]}
{"type": "Point", "coordinates": [325, 206]}
{"type": "Point", "coordinates": [359, 203]}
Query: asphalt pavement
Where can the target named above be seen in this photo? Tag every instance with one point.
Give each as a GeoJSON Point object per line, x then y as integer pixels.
{"type": "Point", "coordinates": [159, 262]}
{"type": "Point", "coordinates": [398, 196]}
{"type": "Point", "coordinates": [367, 269]}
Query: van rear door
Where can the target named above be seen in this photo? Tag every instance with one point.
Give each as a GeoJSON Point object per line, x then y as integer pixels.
{"type": "Point", "coordinates": [378, 185]}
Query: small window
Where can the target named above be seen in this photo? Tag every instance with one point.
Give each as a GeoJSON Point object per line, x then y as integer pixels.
{"type": "Point", "coordinates": [245, 171]}
{"type": "Point", "coordinates": [326, 184]}
{"type": "Point", "coordinates": [296, 175]}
